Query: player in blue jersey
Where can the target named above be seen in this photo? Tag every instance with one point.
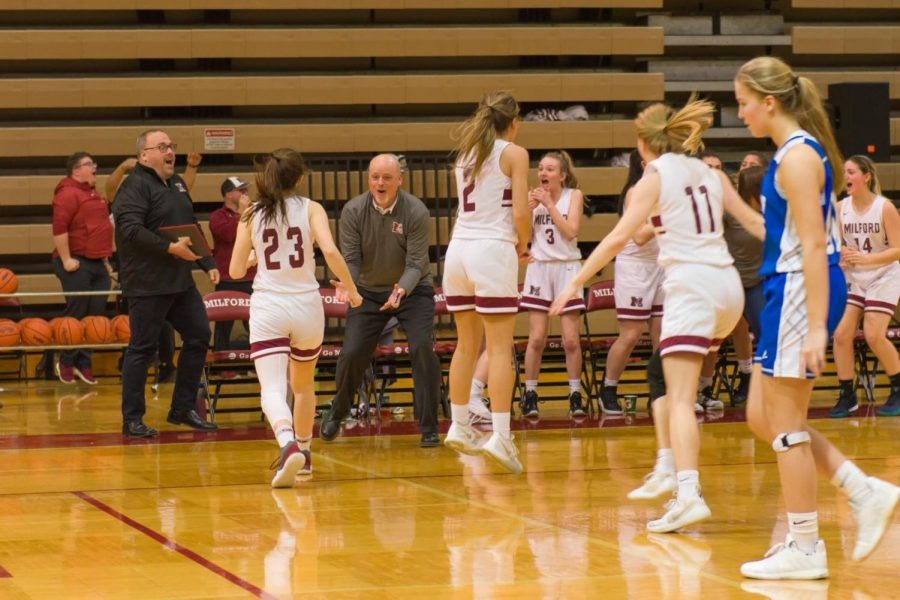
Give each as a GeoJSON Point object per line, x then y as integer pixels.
{"type": "Point", "coordinates": [805, 294]}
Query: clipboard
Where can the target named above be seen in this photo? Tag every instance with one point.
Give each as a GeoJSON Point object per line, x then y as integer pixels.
{"type": "Point", "coordinates": [199, 246]}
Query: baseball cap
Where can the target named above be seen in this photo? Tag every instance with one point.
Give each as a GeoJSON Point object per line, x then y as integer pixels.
{"type": "Point", "coordinates": [233, 183]}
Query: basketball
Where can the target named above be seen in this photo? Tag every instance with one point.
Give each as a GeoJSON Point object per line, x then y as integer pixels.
{"type": "Point", "coordinates": [121, 328]}
{"type": "Point", "coordinates": [68, 331]}
{"type": "Point", "coordinates": [9, 333]}
{"type": "Point", "coordinates": [98, 330]}
{"type": "Point", "coordinates": [35, 332]}
{"type": "Point", "coordinates": [8, 282]}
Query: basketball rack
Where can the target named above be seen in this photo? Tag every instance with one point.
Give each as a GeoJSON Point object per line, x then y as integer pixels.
{"type": "Point", "coordinates": [20, 351]}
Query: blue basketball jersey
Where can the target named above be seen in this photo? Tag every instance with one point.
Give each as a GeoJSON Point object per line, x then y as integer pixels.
{"type": "Point", "coordinates": [782, 252]}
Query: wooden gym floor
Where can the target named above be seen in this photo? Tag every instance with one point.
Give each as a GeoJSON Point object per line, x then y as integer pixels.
{"type": "Point", "coordinates": [87, 514]}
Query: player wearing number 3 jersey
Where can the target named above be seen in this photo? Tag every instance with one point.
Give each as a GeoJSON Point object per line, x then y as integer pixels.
{"type": "Point", "coordinates": [684, 199]}
{"type": "Point", "coordinates": [286, 314]}
{"type": "Point", "coordinates": [557, 206]}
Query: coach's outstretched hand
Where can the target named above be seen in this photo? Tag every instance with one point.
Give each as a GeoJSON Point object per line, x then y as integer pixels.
{"type": "Point", "coordinates": [345, 296]}
{"type": "Point", "coordinates": [565, 295]}
{"type": "Point", "coordinates": [393, 301]}
{"type": "Point", "coordinates": [182, 249]}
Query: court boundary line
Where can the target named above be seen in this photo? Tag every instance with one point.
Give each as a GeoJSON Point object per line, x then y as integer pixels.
{"type": "Point", "coordinates": [4, 574]}
{"type": "Point", "coordinates": [175, 546]}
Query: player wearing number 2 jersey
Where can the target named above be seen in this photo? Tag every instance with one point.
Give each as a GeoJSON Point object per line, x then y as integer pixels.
{"type": "Point", "coordinates": [286, 314]}
{"type": "Point", "coordinates": [684, 200]}
{"type": "Point", "coordinates": [556, 215]}
{"type": "Point", "coordinates": [492, 230]}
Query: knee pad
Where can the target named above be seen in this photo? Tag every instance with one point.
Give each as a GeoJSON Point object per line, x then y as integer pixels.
{"type": "Point", "coordinates": [785, 441]}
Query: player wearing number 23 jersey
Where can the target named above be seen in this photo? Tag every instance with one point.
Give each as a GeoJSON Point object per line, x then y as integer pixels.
{"type": "Point", "coordinates": [286, 313]}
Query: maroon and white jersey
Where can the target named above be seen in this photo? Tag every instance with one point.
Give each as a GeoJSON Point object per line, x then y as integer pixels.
{"type": "Point", "coordinates": [485, 204]}
{"type": "Point", "coordinates": [865, 231]}
{"type": "Point", "coordinates": [688, 214]}
{"type": "Point", "coordinates": [284, 250]}
{"type": "Point", "coordinates": [547, 242]}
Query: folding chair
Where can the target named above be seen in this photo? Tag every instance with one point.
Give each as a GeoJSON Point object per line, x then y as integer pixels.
{"type": "Point", "coordinates": [867, 364]}
{"type": "Point", "coordinates": [227, 306]}
{"type": "Point", "coordinates": [600, 297]}
{"type": "Point", "coordinates": [444, 348]}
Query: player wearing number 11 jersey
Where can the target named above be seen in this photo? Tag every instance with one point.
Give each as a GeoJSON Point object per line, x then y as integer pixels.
{"type": "Point", "coordinates": [684, 200]}
{"type": "Point", "coordinates": [286, 314]}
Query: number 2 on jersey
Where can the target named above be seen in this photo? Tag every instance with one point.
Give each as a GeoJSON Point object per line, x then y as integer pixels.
{"type": "Point", "coordinates": [270, 239]}
{"type": "Point", "coordinates": [694, 204]}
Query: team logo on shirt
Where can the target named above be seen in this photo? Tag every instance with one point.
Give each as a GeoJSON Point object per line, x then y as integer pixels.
{"type": "Point", "coordinates": [180, 187]}
{"type": "Point", "coordinates": [637, 302]}
{"type": "Point", "coordinates": [397, 227]}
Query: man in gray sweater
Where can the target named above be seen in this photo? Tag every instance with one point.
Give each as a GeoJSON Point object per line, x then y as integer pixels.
{"type": "Point", "coordinates": [384, 236]}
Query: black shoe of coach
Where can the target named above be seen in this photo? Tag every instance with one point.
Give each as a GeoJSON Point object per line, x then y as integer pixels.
{"type": "Point", "coordinates": [329, 428]}
{"type": "Point", "coordinates": [191, 419]}
{"type": "Point", "coordinates": [137, 429]}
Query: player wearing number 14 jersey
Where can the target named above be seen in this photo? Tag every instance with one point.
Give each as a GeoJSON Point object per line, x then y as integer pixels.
{"type": "Point", "coordinates": [684, 200]}
{"type": "Point", "coordinates": [286, 314]}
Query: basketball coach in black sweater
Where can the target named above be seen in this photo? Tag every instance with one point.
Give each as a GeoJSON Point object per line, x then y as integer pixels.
{"type": "Point", "coordinates": [155, 275]}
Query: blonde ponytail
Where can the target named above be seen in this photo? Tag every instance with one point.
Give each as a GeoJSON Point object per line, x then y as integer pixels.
{"type": "Point", "coordinates": [475, 137]}
{"type": "Point", "coordinates": [799, 98]}
{"type": "Point", "coordinates": [664, 130]}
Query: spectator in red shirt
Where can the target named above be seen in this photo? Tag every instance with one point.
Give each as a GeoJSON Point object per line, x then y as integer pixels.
{"type": "Point", "coordinates": [83, 238]}
{"type": "Point", "coordinates": [223, 224]}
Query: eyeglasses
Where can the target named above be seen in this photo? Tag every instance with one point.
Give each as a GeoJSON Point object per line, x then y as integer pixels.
{"type": "Point", "coordinates": [164, 147]}
{"type": "Point", "coordinates": [89, 163]}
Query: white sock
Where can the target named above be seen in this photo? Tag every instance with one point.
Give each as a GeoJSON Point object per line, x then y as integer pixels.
{"type": "Point", "coordinates": [610, 382]}
{"type": "Point", "coordinates": [804, 528]}
{"type": "Point", "coordinates": [477, 391]}
{"type": "Point", "coordinates": [705, 382]}
{"type": "Point", "coordinates": [852, 481]}
{"type": "Point", "coordinates": [304, 443]}
{"type": "Point", "coordinates": [688, 483]}
{"type": "Point", "coordinates": [531, 385]}
{"type": "Point", "coordinates": [574, 386]}
{"type": "Point", "coordinates": [665, 461]}
{"type": "Point", "coordinates": [500, 422]}
{"type": "Point", "coordinates": [745, 365]}
{"type": "Point", "coordinates": [460, 413]}
{"type": "Point", "coordinates": [284, 434]}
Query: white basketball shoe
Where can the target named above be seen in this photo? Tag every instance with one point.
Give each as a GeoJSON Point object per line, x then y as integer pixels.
{"type": "Point", "coordinates": [785, 560]}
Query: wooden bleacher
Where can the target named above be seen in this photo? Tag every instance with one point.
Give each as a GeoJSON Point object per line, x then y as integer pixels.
{"type": "Point", "coordinates": [342, 79]}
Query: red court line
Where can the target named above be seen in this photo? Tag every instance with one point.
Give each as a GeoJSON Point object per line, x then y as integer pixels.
{"type": "Point", "coordinates": [173, 545]}
{"type": "Point", "coordinates": [364, 428]}
{"type": "Point", "coordinates": [4, 573]}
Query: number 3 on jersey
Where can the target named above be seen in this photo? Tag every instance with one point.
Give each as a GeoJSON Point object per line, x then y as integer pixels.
{"type": "Point", "coordinates": [270, 239]}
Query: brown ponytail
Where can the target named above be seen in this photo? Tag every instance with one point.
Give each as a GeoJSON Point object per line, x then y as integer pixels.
{"type": "Point", "coordinates": [476, 135]}
{"type": "Point", "coordinates": [277, 177]}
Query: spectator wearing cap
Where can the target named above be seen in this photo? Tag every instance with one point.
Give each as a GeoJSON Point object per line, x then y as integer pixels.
{"type": "Point", "coordinates": [223, 224]}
